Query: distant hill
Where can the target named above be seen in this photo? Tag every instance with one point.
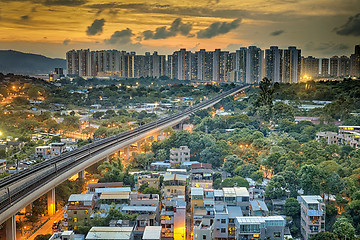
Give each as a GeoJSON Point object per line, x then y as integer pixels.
{"type": "Point", "coordinates": [27, 63]}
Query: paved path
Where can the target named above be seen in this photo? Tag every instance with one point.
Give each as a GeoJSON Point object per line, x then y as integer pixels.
{"type": "Point", "coordinates": [47, 227]}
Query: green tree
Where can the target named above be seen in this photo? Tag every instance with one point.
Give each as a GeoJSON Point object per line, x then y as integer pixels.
{"type": "Point", "coordinates": [257, 176]}
{"type": "Point", "coordinates": [32, 219]}
{"type": "Point", "coordinates": [265, 98]}
{"type": "Point", "coordinates": [71, 123]}
{"type": "Point", "coordinates": [161, 155]}
{"type": "Point", "coordinates": [115, 172]}
{"type": "Point", "coordinates": [276, 187]}
{"type": "Point", "coordinates": [235, 182]}
{"type": "Point", "coordinates": [42, 237]}
{"type": "Point", "coordinates": [143, 161]}
{"type": "Point", "coordinates": [143, 187]}
{"type": "Point", "coordinates": [266, 93]}
{"type": "Point", "coordinates": [324, 236]}
{"type": "Point", "coordinates": [343, 228]}
{"type": "Point", "coordinates": [353, 209]}
{"type": "Point", "coordinates": [213, 155]}
{"type": "Point", "coordinates": [292, 182]}
{"type": "Point", "coordinates": [151, 190]}
{"type": "Point", "coordinates": [310, 179]}
{"type": "Point", "coordinates": [282, 111]}
{"type": "Point", "coordinates": [292, 207]}
{"type": "Point", "coordinates": [2, 153]}
{"type": "Point", "coordinates": [98, 115]}
{"type": "Point", "coordinates": [231, 162]}
{"type": "Point", "coordinates": [247, 170]}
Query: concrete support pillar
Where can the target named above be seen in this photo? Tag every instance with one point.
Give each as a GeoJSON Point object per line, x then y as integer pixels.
{"type": "Point", "coordinates": [81, 174]}
{"type": "Point", "coordinates": [11, 228]}
{"type": "Point", "coordinates": [138, 146]}
{"type": "Point", "coordinates": [127, 152]}
{"type": "Point", "coordinates": [51, 202]}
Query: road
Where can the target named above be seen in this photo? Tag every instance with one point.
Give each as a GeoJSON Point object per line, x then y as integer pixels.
{"type": "Point", "coordinates": [47, 227]}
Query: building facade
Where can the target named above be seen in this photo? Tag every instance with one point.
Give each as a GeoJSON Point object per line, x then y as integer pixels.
{"type": "Point", "coordinates": [312, 215]}
{"type": "Point", "coordinates": [179, 155]}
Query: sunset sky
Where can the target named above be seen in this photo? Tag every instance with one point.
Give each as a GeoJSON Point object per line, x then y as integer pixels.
{"type": "Point", "coordinates": [321, 28]}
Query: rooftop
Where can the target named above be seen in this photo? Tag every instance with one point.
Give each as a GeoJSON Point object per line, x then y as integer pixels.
{"type": "Point", "coordinates": [201, 165]}
{"type": "Point", "coordinates": [104, 185]}
{"type": "Point", "coordinates": [81, 197]}
{"type": "Point", "coordinates": [160, 164]}
{"type": "Point", "coordinates": [110, 233]}
{"type": "Point", "coordinates": [197, 191]}
{"type": "Point", "coordinates": [60, 144]}
{"type": "Point", "coordinates": [139, 208]}
{"type": "Point", "coordinates": [116, 195]}
{"type": "Point", "coordinates": [234, 211]}
{"type": "Point", "coordinates": [173, 177]}
{"type": "Point", "coordinates": [189, 163]}
{"type": "Point", "coordinates": [257, 220]}
{"type": "Point", "coordinates": [312, 199]}
{"type": "Point", "coordinates": [113, 190]}
{"type": "Point", "coordinates": [258, 205]}
{"type": "Point", "coordinates": [152, 233]}
{"type": "Point", "coordinates": [241, 191]}
{"type": "Point", "coordinates": [218, 193]}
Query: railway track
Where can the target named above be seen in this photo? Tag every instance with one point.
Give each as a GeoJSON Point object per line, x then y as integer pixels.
{"type": "Point", "coordinates": [14, 187]}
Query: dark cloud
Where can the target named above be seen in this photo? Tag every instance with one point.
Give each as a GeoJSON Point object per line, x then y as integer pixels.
{"type": "Point", "coordinates": [327, 47]}
{"type": "Point", "coordinates": [120, 37]}
{"type": "Point", "coordinates": [192, 11]}
{"type": "Point", "coordinates": [64, 2]}
{"type": "Point", "coordinates": [113, 11]}
{"type": "Point", "coordinates": [277, 33]}
{"type": "Point", "coordinates": [66, 42]}
{"type": "Point", "coordinates": [218, 28]}
{"type": "Point", "coordinates": [177, 26]}
{"type": "Point", "coordinates": [351, 27]}
{"type": "Point", "coordinates": [25, 17]}
{"type": "Point", "coordinates": [96, 27]}
{"type": "Point", "coordinates": [52, 2]}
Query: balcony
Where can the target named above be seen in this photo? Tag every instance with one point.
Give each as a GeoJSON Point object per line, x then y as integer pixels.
{"type": "Point", "coordinates": [315, 213]}
{"type": "Point", "coordinates": [163, 221]}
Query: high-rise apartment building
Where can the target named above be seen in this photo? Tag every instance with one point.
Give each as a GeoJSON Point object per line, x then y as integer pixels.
{"type": "Point", "coordinates": [309, 67]}
{"type": "Point", "coordinates": [283, 65]}
{"type": "Point", "coordinates": [334, 66]}
{"type": "Point", "coordinates": [240, 64]}
{"type": "Point", "coordinates": [312, 215]}
{"type": "Point", "coordinates": [344, 66]}
{"type": "Point", "coordinates": [355, 62]}
{"type": "Point", "coordinates": [79, 62]}
{"type": "Point", "coordinates": [204, 61]}
{"type": "Point", "coordinates": [254, 60]}
{"type": "Point", "coordinates": [324, 70]}
{"type": "Point", "coordinates": [172, 66]}
{"type": "Point", "coordinates": [273, 64]}
{"type": "Point", "coordinates": [187, 69]}
{"type": "Point", "coordinates": [115, 63]}
{"type": "Point", "coordinates": [291, 65]}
